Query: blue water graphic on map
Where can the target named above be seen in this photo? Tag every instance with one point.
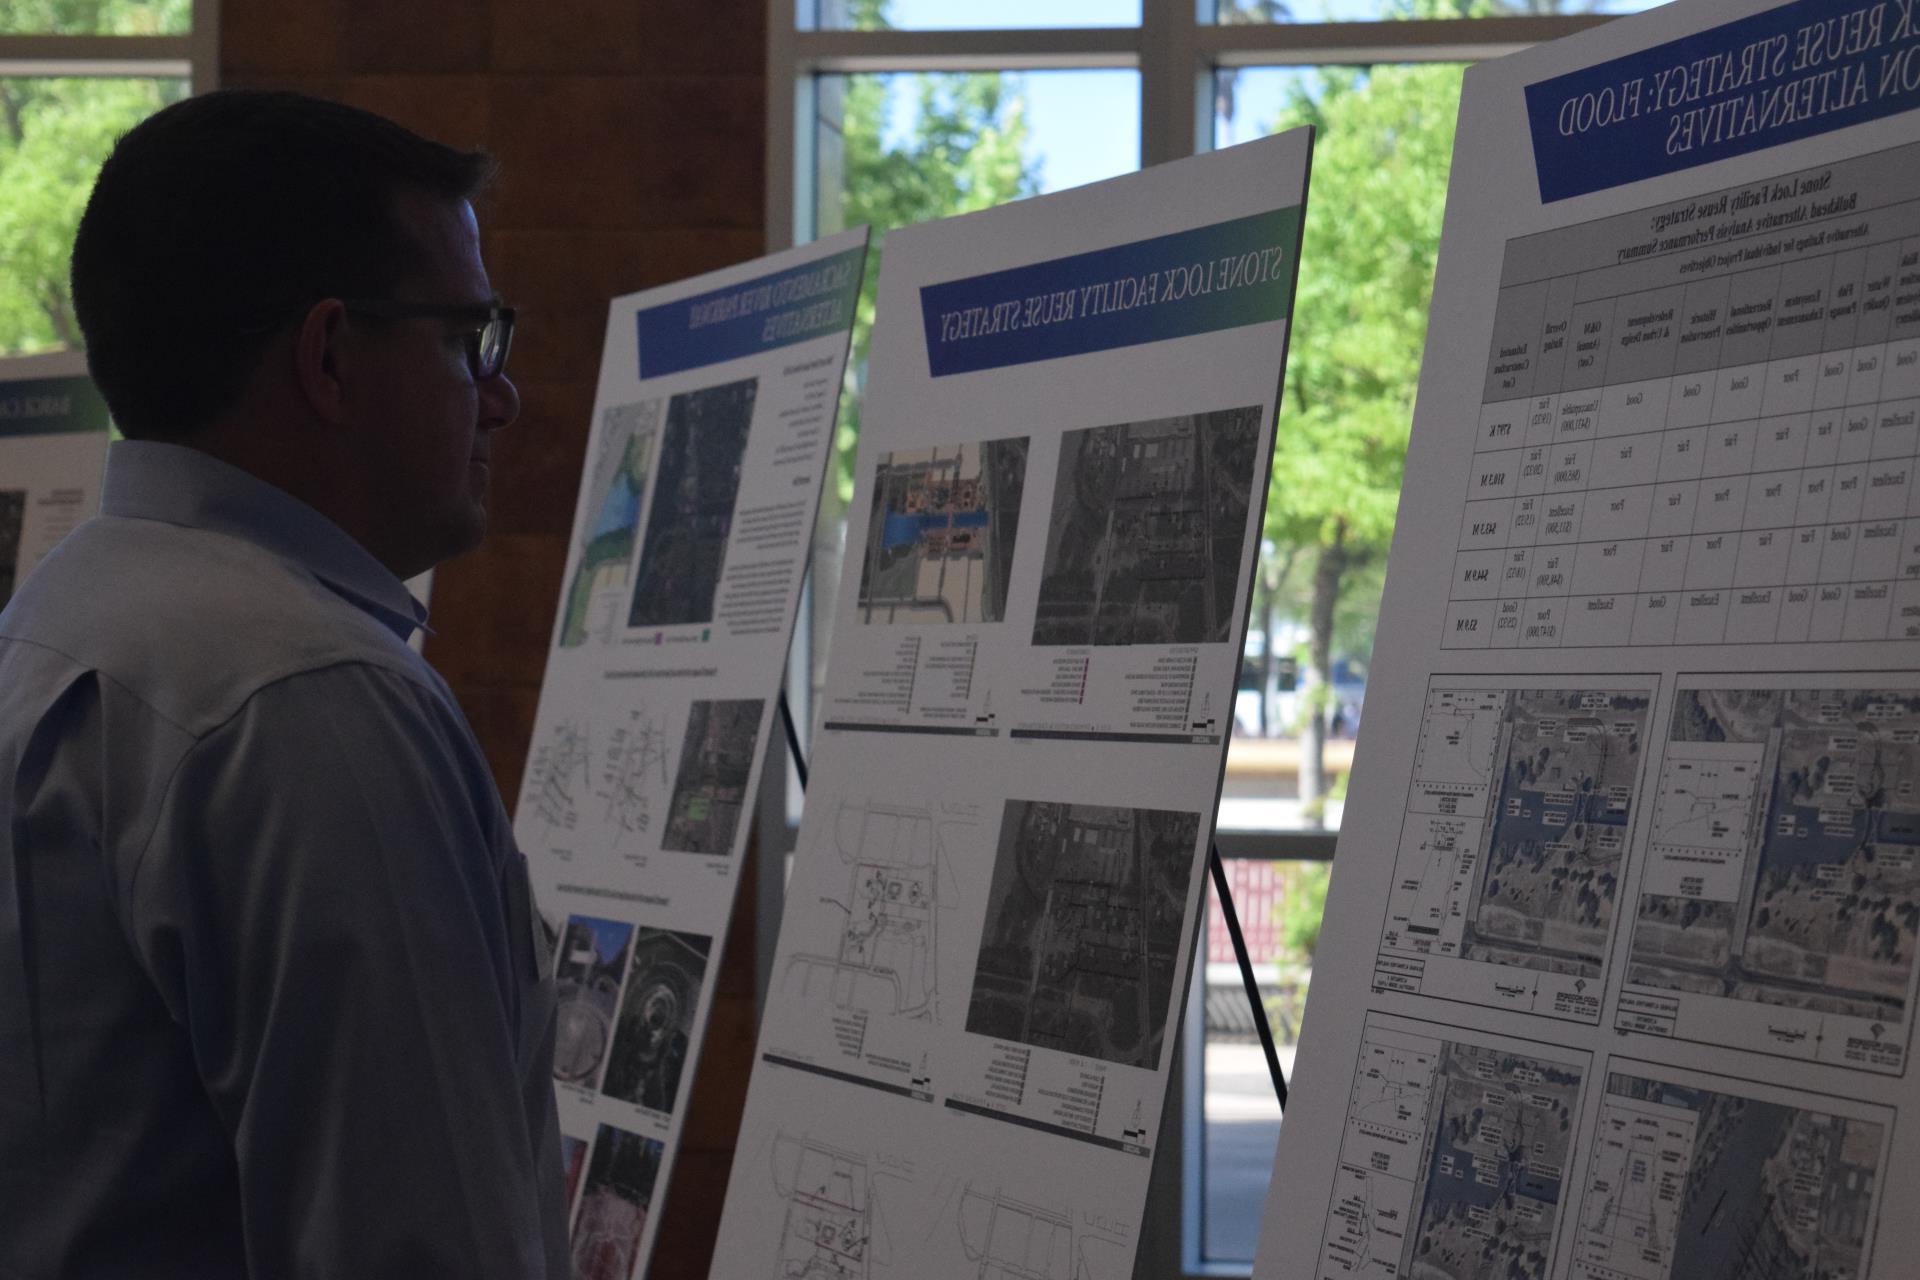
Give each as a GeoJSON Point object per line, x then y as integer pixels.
{"type": "Point", "coordinates": [902, 529]}
{"type": "Point", "coordinates": [1821, 843]}
{"type": "Point", "coordinates": [621, 511]}
{"type": "Point", "coordinates": [1461, 1186]}
{"type": "Point", "coordinates": [1587, 808]}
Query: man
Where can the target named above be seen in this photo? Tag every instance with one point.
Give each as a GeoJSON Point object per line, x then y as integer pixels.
{"type": "Point", "coordinates": [273, 1001]}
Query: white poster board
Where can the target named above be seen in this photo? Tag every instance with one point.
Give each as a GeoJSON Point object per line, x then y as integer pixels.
{"type": "Point", "coordinates": [1617, 975]}
{"type": "Point", "coordinates": [54, 430]}
{"type": "Point", "coordinates": [990, 922]}
{"type": "Point", "coordinates": [712, 432]}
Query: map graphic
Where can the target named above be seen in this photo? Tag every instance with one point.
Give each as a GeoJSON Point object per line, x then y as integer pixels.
{"type": "Point", "coordinates": [559, 775]}
{"type": "Point", "coordinates": [884, 956]}
{"type": "Point", "coordinates": [615, 489]}
{"type": "Point", "coordinates": [1083, 926]}
{"type": "Point", "coordinates": [581, 773]}
{"type": "Point", "coordinates": [1454, 1161]}
{"type": "Point", "coordinates": [941, 535]}
{"type": "Point", "coordinates": [1514, 842]}
{"type": "Point", "coordinates": [1147, 527]}
{"type": "Point", "coordinates": [1007, 1237]}
{"type": "Point", "coordinates": [710, 790]}
{"type": "Point", "coordinates": [1686, 1180]}
{"type": "Point", "coordinates": [634, 772]}
{"type": "Point", "coordinates": [833, 1229]}
{"type": "Point", "coordinates": [1783, 878]}
{"type": "Point", "coordinates": [691, 517]}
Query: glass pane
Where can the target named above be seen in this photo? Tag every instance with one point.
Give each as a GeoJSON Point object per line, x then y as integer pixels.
{"type": "Point", "coordinates": [1279, 905]}
{"type": "Point", "coordinates": [902, 148]}
{"type": "Point", "coordinates": [1246, 12]}
{"type": "Point", "coordinates": [54, 132]}
{"type": "Point", "coordinates": [96, 17]}
{"type": "Point", "coordinates": [965, 15]}
{"type": "Point", "coordinates": [1379, 186]}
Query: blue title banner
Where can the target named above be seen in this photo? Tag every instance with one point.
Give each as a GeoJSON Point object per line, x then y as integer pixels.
{"type": "Point", "coordinates": [50, 406]}
{"type": "Point", "coordinates": [1802, 69]}
{"type": "Point", "coordinates": [772, 311]}
{"type": "Point", "coordinates": [1199, 281]}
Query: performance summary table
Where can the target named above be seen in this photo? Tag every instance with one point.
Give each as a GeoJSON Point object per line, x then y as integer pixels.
{"type": "Point", "coordinates": [1699, 423]}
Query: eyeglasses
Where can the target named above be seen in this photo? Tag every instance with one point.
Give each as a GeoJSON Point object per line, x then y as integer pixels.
{"type": "Point", "coordinates": [487, 340]}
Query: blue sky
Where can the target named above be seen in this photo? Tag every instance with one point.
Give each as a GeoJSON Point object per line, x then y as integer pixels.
{"type": "Point", "coordinates": [1085, 124]}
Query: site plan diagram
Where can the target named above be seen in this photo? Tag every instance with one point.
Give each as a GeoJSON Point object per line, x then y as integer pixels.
{"type": "Point", "coordinates": [1782, 896]}
{"type": "Point", "coordinates": [1514, 847]}
{"type": "Point", "coordinates": [880, 940]}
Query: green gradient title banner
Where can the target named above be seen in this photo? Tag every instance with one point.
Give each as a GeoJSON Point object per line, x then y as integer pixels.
{"type": "Point", "coordinates": [1211, 278]}
{"type": "Point", "coordinates": [50, 406]}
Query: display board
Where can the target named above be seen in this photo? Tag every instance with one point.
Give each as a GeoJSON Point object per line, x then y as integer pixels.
{"type": "Point", "coordinates": [712, 432]}
{"type": "Point", "coordinates": [1617, 975]}
{"type": "Point", "coordinates": [990, 922]}
{"type": "Point", "coordinates": [54, 430]}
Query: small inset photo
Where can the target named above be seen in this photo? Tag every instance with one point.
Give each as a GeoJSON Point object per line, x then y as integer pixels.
{"type": "Point", "coordinates": [1148, 528]}
{"type": "Point", "coordinates": [655, 1029]}
{"type": "Point", "coordinates": [614, 1204]}
{"type": "Point", "coordinates": [710, 792]}
{"type": "Point", "coordinates": [586, 978]}
{"type": "Point", "coordinates": [691, 518]}
{"type": "Point", "coordinates": [941, 534]}
{"type": "Point", "coordinates": [1084, 920]}
{"type": "Point", "coordinates": [573, 1162]}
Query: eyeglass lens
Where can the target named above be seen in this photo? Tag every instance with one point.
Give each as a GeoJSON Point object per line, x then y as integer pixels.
{"type": "Point", "coordinates": [490, 347]}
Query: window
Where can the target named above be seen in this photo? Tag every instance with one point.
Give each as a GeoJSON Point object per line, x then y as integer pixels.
{"type": "Point", "coordinates": [895, 111]}
{"type": "Point", "coordinates": [74, 76]}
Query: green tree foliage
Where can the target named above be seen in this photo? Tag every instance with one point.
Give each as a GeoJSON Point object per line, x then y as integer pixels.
{"type": "Point", "coordinates": [96, 17]}
{"type": "Point", "coordinates": [965, 151]}
{"type": "Point", "coordinates": [54, 132]}
{"type": "Point", "coordinates": [1373, 231]}
{"type": "Point", "coordinates": [1302, 906]}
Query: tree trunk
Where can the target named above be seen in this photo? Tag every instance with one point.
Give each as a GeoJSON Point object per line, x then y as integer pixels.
{"type": "Point", "coordinates": [1327, 574]}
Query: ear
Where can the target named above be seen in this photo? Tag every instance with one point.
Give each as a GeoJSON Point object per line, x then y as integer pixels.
{"type": "Point", "coordinates": [319, 356]}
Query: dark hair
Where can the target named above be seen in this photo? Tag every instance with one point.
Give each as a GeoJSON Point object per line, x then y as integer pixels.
{"type": "Point", "coordinates": [217, 221]}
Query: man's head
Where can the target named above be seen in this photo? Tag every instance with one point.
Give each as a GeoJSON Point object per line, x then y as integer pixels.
{"type": "Point", "coordinates": [296, 286]}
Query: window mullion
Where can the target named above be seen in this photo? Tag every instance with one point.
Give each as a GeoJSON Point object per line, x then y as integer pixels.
{"type": "Point", "coordinates": [816, 52]}
{"type": "Point", "coordinates": [1406, 40]}
{"type": "Point", "coordinates": [1169, 81]}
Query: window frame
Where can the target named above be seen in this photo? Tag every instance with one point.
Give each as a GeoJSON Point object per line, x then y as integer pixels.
{"type": "Point", "coordinates": [1175, 49]}
{"type": "Point", "coordinates": [193, 57]}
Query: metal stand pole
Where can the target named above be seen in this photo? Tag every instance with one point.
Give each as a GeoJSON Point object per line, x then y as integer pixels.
{"type": "Point", "coordinates": [1260, 1025]}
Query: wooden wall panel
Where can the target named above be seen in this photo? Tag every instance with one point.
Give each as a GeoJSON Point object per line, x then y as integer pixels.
{"type": "Point", "coordinates": [631, 138]}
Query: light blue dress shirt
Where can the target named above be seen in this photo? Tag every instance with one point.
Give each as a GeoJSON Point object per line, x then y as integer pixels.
{"type": "Point", "coordinates": [273, 999]}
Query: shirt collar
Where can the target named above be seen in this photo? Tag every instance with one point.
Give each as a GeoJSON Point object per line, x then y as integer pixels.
{"type": "Point", "coordinates": [176, 484]}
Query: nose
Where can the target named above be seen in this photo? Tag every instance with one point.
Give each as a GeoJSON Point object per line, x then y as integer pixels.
{"type": "Point", "coordinates": [499, 402]}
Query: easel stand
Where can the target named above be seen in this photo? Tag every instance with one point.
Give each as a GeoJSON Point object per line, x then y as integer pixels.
{"type": "Point", "coordinates": [1227, 913]}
